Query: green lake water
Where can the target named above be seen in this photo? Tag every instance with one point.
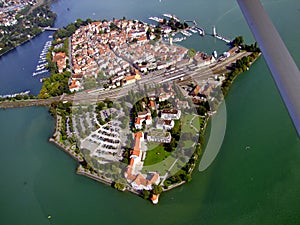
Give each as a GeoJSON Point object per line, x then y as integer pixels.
{"type": "Point", "coordinates": [253, 180]}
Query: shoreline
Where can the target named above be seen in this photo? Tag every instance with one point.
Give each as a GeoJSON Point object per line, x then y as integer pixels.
{"type": "Point", "coordinates": [22, 43]}
{"type": "Point", "coordinates": [81, 171]}
{"type": "Point", "coordinates": [72, 147]}
{"type": "Point", "coordinates": [39, 4]}
{"type": "Point", "coordinates": [51, 140]}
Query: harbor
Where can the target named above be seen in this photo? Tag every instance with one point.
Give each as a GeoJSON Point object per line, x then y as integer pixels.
{"type": "Point", "coordinates": [42, 62]}
{"type": "Point", "coordinates": [15, 94]}
{"type": "Point", "coordinates": [216, 35]}
{"type": "Point", "coordinates": [193, 29]}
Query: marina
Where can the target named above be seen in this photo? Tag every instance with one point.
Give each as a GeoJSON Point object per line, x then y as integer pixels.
{"type": "Point", "coordinates": [39, 72]}
{"type": "Point", "coordinates": [194, 29]}
{"type": "Point", "coordinates": [41, 66]}
{"type": "Point", "coordinates": [15, 94]}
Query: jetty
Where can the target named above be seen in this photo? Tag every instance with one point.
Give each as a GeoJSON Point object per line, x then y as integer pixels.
{"type": "Point", "coordinates": [223, 39]}
{"type": "Point", "coordinates": [220, 37]}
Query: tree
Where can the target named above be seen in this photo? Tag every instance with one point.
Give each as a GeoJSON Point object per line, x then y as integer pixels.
{"type": "Point", "coordinates": [238, 41]}
{"type": "Point", "coordinates": [146, 194]}
{"type": "Point", "coordinates": [154, 114]}
{"type": "Point", "coordinates": [188, 178]}
{"type": "Point", "coordinates": [191, 53]}
{"type": "Point", "coordinates": [119, 186]}
{"type": "Point", "coordinates": [157, 189]}
{"type": "Point", "coordinates": [89, 83]}
{"type": "Point", "coordinates": [109, 104]}
{"type": "Point", "coordinates": [100, 106]}
{"type": "Point", "coordinates": [185, 25]}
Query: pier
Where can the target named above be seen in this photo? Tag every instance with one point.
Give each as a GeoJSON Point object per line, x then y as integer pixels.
{"type": "Point", "coordinates": [216, 35]}
{"type": "Point", "coordinates": [223, 39]}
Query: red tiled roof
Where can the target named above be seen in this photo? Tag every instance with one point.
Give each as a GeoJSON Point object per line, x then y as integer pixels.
{"type": "Point", "coordinates": [73, 84]}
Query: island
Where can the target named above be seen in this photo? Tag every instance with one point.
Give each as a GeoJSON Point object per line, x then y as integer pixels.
{"type": "Point", "coordinates": [130, 105]}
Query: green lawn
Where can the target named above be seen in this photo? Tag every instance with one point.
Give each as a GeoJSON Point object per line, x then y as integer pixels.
{"type": "Point", "coordinates": [188, 144]}
{"type": "Point", "coordinates": [152, 145]}
{"type": "Point", "coordinates": [186, 128]}
{"type": "Point", "coordinates": [155, 155]}
{"type": "Point", "coordinates": [197, 122]}
{"type": "Point", "coordinates": [161, 167]}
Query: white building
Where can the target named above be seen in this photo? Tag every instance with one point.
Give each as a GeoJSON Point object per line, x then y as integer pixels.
{"type": "Point", "coordinates": [170, 114]}
{"type": "Point", "coordinates": [143, 116]}
{"type": "Point", "coordinates": [164, 124]}
{"type": "Point", "coordinates": [159, 136]}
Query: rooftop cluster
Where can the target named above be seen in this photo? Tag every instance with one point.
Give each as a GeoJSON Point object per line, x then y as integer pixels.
{"type": "Point", "coordinates": [122, 49]}
{"type": "Point", "coordinates": [132, 173]}
{"type": "Point", "coordinates": [10, 9]}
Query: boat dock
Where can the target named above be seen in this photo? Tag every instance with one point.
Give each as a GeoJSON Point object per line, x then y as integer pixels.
{"type": "Point", "coordinates": [171, 16]}
{"type": "Point", "coordinates": [41, 66]}
{"type": "Point", "coordinates": [223, 39]}
{"type": "Point", "coordinates": [39, 72]}
{"type": "Point", "coordinates": [214, 34]}
{"type": "Point", "coordinates": [15, 94]}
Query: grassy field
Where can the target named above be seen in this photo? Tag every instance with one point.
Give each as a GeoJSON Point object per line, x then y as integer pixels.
{"type": "Point", "coordinates": [188, 144]}
{"type": "Point", "coordinates": [156, 155]}
{"type": "Point", "coordinates": [186, 128]}
{"type": "Point", "coordinates": [196, 122]}
{"type": "Point", "coordinates": [161, 167]}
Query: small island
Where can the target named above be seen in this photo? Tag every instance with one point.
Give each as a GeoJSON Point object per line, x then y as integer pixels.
{"type": "Point", "coordinates": [130, 105]}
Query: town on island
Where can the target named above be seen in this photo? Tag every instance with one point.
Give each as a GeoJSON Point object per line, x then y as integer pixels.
{"type": "Point", "coordinates": [130, 104]}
